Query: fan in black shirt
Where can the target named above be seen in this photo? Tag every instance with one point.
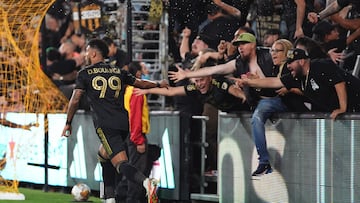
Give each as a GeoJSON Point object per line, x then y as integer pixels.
{"type": "Point", "coordinates": [219, 92]}
{"type": "Point", "coordinates": [331, 89]}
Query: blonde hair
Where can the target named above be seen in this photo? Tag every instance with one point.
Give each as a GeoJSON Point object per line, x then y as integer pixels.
{"type": "Point", "coordinates": [286, 44]}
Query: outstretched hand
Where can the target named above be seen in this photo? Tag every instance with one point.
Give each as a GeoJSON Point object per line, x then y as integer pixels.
{"type": "Point", "coordinates": [335, 56]}
{"type": "Point", "coordinates": [139, 92]}
{"type": "Point", "coordinates": [241, 94]}
{"type": "Point", "coordinates": [239, 82]}
{"type": "Point", "coordinates": [177, 76]}
{"type": "Point", "coordinates": [164, 83]}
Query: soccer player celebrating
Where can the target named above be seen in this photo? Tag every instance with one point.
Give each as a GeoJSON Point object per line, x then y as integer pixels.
{"type": "Point", "coordinates": [104, 86]}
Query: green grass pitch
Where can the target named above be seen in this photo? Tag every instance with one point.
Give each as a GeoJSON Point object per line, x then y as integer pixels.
{"type": "Point", "coordinates": [39, 196]}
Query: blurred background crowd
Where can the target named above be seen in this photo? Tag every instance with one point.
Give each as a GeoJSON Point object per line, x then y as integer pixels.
{"type": "Point", "coordinates": [187, 23]}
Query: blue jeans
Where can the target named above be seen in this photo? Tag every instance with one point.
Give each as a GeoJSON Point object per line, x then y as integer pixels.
{"type": "Point", "coordinates": [265, 108]}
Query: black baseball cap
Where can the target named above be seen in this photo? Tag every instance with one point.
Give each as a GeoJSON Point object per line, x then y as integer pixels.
{"type": "Point", "coordinates": [209, 40]}
{"type": "Point", "coordinates": [296, 54]}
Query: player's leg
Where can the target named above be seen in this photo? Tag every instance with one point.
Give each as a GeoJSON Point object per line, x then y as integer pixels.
{"type": "Point", "coordinates": [114, 147]}
{"type": "Point", "coordinates": [109, 176]}
{"type": "Point", "coordinates": [135, 192]}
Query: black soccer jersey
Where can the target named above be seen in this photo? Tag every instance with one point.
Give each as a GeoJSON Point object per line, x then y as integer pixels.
{"type": "Point", "coordinates": [104, 86]}
{"type": "Point", "coordinates": [218, 96]}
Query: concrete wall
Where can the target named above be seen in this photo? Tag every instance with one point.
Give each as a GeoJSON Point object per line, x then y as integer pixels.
{"type": "Point", "coordinates": [314, 159]}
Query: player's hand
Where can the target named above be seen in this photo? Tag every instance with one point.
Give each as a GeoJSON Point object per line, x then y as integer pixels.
{"type": "Point", "coordinates": [66, 131]}
{"type": "Point", "coordinates": [177, 76]}
{"type": "Point", "coordinates": [312, 17]}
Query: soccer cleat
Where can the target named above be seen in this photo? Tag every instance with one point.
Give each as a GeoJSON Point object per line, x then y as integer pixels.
{"type": "Point", "coordinates": [110, 200]}
{"type": "Point", "coordinates": [151, 185]}
{"type": "Point", "coordinates": [262, 169]}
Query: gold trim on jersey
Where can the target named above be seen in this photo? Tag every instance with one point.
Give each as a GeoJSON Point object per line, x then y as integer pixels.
{"type": "Point", "coordinates": [104, 141]}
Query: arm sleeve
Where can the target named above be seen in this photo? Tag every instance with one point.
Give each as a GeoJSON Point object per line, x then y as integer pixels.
{"type": "Point", "coordinates": [289, 81]}
{"type": "Point", "coordinates": [80, 80]}
{"type": "Point", "coordinates": [128, 77]}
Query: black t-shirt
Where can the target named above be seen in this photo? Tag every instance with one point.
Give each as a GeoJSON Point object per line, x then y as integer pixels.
{"type": "Point", "coordinates": [218, 95]}
{"type": "Point", "coordinates": [187, 104]}
{"type": "Point", "coordinates": [243, 6]}
{"type": "Point", "coordinates": [353, 90]}
{"type": "Point", "coordinates": [105, 86]}
{"type": "Point", "coordinates": [344, 3]}
{"type": "Point", "coordinates": [119, 59]}
{"type": "Point", "coordinates": [319, 84]}
{"type": "Point", "coordinates": [62, 67]}
{"type": "Point", "coordinates": [221, 28]}
{"type": "Point", "coordinates": [340, 44]}
{"type": "Point", "coordinates": [271, 92]}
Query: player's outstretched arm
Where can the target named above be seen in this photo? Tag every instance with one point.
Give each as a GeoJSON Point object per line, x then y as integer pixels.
{"type": "Point", "coordinates": [146, 84]}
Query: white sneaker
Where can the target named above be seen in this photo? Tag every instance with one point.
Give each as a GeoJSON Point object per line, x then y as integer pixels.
{"type": "Point", "coordinates": [110, 200]}
{"type": "Point", "coordinates": [151, 185]}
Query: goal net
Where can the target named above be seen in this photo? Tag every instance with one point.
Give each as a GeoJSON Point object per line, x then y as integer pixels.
{"type": "Point", "coordinates": [23, 85]}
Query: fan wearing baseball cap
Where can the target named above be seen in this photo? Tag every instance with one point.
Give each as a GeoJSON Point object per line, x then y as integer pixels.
{"type": "Point", "coordinates": [252, 61]}
{"type": "Point", "coordinates": [244, 38]}
{"type": "Point", "coordinates": [320, 79]}
{"type": "Point", "coordinates": [296, 54]}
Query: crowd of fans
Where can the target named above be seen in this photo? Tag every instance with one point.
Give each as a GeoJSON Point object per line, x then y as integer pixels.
{"type": "Point", "coordinates": [272, 29]}
{"type": "Point", "coordinates": [214, 23]}
{"type": "Point", "coordinates": [211, 33]}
